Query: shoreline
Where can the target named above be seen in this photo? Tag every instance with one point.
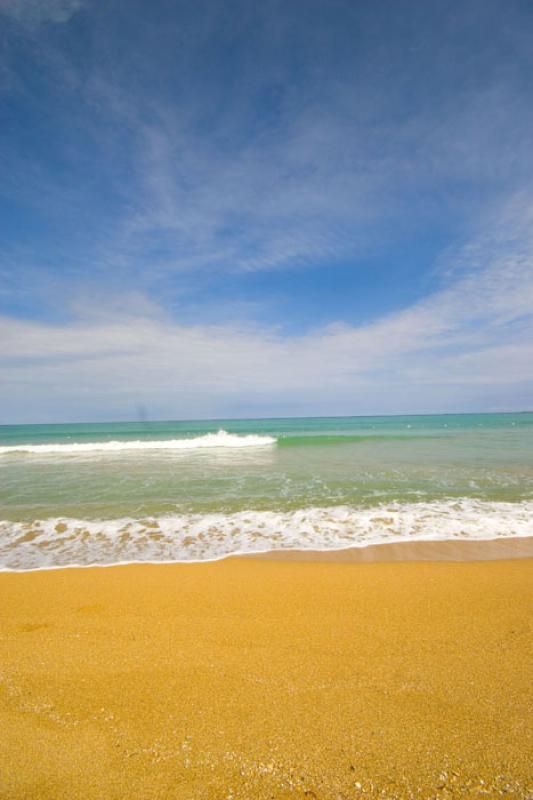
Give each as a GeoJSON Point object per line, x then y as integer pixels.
{"type": "Point", "coordinates": [449, 550]}
{"type": "Point", "coordinates": [512, 547]}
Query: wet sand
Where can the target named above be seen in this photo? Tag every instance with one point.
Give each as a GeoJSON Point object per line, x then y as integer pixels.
{"type": "Point", "coordinates": [267, 679]}
{"type": "Point", "coordinates": [446, 550]}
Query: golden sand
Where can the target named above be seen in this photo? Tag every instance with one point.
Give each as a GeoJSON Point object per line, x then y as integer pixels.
{"type": "Point", "coordinates": [267, 679]}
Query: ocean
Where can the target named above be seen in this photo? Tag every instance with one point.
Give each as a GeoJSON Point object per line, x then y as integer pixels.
{"type": "Point", "coordinates": [84, 494]}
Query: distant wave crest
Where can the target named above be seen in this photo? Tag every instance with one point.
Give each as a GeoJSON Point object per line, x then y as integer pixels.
{"type": "Point", "coordinates": [209, 440]}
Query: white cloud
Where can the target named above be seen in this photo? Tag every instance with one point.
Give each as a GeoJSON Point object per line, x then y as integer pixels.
{"type": "Point", "coordinates": [468, 346]}
{"type": "Point", "coordinates": [188, 181]}
{"type": "Point", "coordinates": [33, 13]}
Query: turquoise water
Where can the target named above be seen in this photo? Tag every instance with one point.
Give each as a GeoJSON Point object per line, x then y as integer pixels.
{"type": "Point", "coordinates": [292, 478]}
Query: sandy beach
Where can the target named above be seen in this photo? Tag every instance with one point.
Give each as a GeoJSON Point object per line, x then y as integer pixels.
{"type": "Point", "coordinates": [252, 678]}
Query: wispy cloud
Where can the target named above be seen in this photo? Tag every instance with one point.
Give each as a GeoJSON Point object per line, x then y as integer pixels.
{"type": "Point", "coordinates": [275, 165]}
{"type": "Point", "coordinates": [160, 150]}
{"type": "Point", "coordinates": [33, 13]}
{"type": "Point", "coordinates": [469, 345]}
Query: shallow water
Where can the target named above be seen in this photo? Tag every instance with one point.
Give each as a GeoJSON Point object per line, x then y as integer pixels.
{"type": "Point", "coordinates": [104, 493]}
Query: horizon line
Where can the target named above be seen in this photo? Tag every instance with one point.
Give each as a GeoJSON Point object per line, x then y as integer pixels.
{"type": "Point", "coordinates": [265, 419]}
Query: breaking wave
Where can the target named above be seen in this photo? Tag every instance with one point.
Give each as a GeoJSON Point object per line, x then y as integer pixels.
{"type": "Point", "coordinates": [220, 439]}
{"type": "Point", "coordinates": [62, 542]}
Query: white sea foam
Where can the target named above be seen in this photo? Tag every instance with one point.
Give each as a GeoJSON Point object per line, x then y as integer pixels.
{"type": "Point", "coordinates": [203, 537]}
{"type": "Point", "coordinates": [220, 439]}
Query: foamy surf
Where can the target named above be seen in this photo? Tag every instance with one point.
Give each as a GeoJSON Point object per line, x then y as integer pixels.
{"type": "Point", "coordinates": [62, 542]}
{"type": "Point", "coordinates": [209, 440]}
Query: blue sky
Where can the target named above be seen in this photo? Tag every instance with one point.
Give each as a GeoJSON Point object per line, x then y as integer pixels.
{"type": "Point", "coordinates": [254, 209]}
